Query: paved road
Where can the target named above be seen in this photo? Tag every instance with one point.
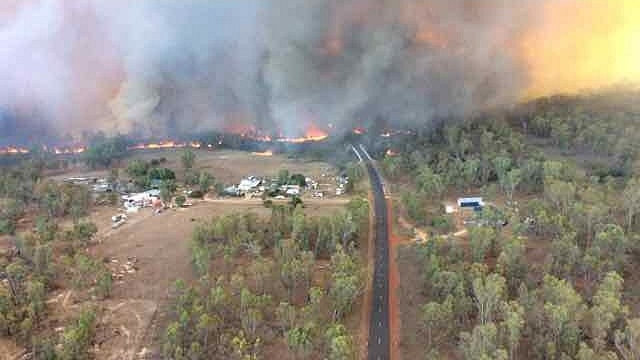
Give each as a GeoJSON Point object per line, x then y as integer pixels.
{"type": "Point", "coordinates": [379, 346]}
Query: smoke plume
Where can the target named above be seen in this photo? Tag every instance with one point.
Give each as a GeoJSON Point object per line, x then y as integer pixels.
{"type": "Point", "coordinates": [165, 67]}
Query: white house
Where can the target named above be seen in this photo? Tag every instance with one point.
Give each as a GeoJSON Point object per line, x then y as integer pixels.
{"type": "Point", "coordinates": [249, 183]}
{"type": "Point", "coordinates": [292, 190]}
{"type": "Point", "coordinates": [141, 199]}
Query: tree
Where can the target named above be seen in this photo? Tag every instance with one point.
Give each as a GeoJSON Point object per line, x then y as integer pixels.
{"type": "Point", "coordinates": [166, 191]}
{"type": "Point", "coordinates": [563, 311]}
{"type": "Point", "coordinates": [76, 339]}
{"type": "Point", "coordinates": [300, 341]}
{"type": "Point", "coordinates": [323, 237]}
{"type": "Point", "coordinates": [565, 256]}
{"type": "Point", "coordinates": [438, 320]}
{"type": "Point", "coordinates": [560, 194]}
{"type": "Point", "coordinates": [482, 344]}
{"type": "Point", "coordinates": [17, 276]}
{"type": "Point", "coordinates": [510, 181]}
{"type": "Point", "coordinates": [502, 165]}
{"type": "Point", "coordinates": [429, 183]}
{"type": "Point", "coordinates": [482, 240]}
{"type": "Point", "coordinates": [283, 177]}
{"type": "Point", "coordinates": [488, 293]}
{"type": "Point", "coordinates": [137, 168]}
{"type": "Point", "coordinates": [162, 174]}
{"type": "Point", "coordinates": [607, 308]}
{"type": "Point", "coordinates": [298, 179]}
{"type": "Point", "coordinates": [262, 271]}
{"type": "Point", "coordinates": [296, 267]}
{"type": "Point", "coordinates": [188, 158]}
{"type": "Point", "coordinates": [36, 295]}
{"type": "Point", "coordinates": [180, 200]}
{"type": "Point", "coordinates": [286, 315]}
{"type": "Point", "coordinates": [631, 202]}
{"type": "Point", "coordinates": [346, 282]}
{"type": "Point", "coordinates": [513, 325]}
{"type": "Point", "coordinates": [470, 172]}
{"type": "Point", "coordinates": [339, 343]}
{"type": "Point", "coordinates": [252, 310]}
{"type": "Point", "coordinates": [392, 166]}
{"type": "Point", "coordinates": [511, 262]}
{"type": "Point", "coordinates": [628, 341]}
{"type": "Point", "coordinates": [11, 211]}
{"type": "Point", "coordinates": [244, 349]}
{"type": "Point", "coordinates": [299, 228]}
{"type": "Point", "coordinates": [82, 233]}
{"type": "Point", "coordinates": [355, 172]}
{"type": "Point", "coordinates": [358, 209]}
{"type": "Point", "coordinates": [205, 181]}
{"type": "Point", "coordinates": [102, 152]}
{"type": "Point", "coordinates": [610, 247]}
{"type": "Point", "coordinates": [415, 208]}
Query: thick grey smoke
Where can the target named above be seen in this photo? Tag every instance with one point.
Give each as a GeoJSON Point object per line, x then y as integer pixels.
{"type": "Point", "coordinates": [161, 67]}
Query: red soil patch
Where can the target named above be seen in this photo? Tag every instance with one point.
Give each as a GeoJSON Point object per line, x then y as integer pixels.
{"type": "Point", "coordinates": [394, 287]}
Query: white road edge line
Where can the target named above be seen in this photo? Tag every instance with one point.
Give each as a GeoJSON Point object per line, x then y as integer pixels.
{"type": "Point", "coordinates": [366, 153]}
{"type": "Point", "coordinates": [357, 153]}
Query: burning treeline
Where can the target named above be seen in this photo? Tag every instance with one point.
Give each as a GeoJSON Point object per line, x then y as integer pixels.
{"type": "Point", "coordinates": [164, 67]}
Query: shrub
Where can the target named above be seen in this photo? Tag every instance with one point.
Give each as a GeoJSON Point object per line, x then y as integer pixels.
{"type": "Point", "coordinates": [442, 224]}
{"type": "Point", "coordinates": [295, 201]}
{"type": "Point", "coordinates": [180, 200]}
{"type": "Point", "coordinates": [104, 282]}
{"type": "Point", "coordinates": [163, 174]}
{"type": "Point", "coordinates": [7, 227]}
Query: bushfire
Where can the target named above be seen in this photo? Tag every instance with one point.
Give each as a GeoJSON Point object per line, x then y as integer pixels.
{"type": "Point", "coordinates": [263, 153]}
{"type": "Point", "coordinates": [169, 144]}
{"type": "Point", "coordinates": [312, 134]}
{"type": "Point", "coordinates": [11, 150]}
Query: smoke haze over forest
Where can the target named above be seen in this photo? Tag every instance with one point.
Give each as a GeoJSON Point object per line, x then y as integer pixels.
{"type": "Point", "coordinates": [161, 67]}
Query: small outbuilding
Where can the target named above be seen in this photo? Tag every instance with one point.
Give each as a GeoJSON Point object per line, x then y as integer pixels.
{"type": "Point", "coordinates": [475, 203]}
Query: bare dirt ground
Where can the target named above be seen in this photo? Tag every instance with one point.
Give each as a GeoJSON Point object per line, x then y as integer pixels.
{"type": "Point", "coordinates": [227, 166]}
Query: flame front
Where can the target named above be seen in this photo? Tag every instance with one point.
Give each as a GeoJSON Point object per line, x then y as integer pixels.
{"type": "Point", "coordinates": [263, 153]}
{"type": "Point", "coordinates": [69, 150]}
{"type": "Point", "coordinates": [169, 144]}
{"type": "Point", "coordinates": [313, 133]}
{"type": "Point", "coordinates": [12, 150]}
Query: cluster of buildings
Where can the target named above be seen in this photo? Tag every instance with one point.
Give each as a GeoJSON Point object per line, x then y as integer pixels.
{"type": "Point", "coordinates": [252, 186]}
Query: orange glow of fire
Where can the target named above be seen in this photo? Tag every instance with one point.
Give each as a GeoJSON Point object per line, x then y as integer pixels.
{"type": "Point", "coordinates": [582, 44]}
{"type": "Point", "coordinates": [430, 37]}
{"type": "Point", "coordinates": [359, 131]}
{"type": "Point", "coordinates": [12, 150]}
{"type": "Point", "coordinates": [69, 150]}
{"type": "Point", "coordinates": [313, 133]}
{"type": "Point", "coordinates": [263, 153]}
{"type": "Point", "coordinates": [169, 144]}
{"type": "Point", "coordinates": [247, 131]}
{"type": "Point", "coordinates": [392, 153]}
